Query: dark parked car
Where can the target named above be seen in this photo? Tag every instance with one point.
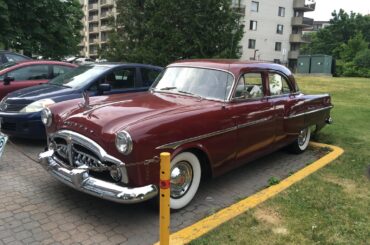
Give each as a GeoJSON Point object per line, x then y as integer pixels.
{"type": "Point", "coordinates": [212, 116]}
{"type": "Point", "coordinates": [9, 56]}
{"type": "Point", "coordinates": [23, 74]}
{"type": "Point", "coordinates": [20, 111]}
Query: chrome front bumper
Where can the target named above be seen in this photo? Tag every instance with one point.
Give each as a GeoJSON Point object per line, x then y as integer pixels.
{"type": "Point", "coordinates": [80, 179]}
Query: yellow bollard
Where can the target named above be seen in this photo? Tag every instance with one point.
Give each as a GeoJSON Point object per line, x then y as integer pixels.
{"type": "Point", "coordinates": [164, 199]}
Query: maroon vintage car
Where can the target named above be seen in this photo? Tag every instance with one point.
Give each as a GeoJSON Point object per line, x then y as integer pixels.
{"type": "Point", "coordinates": [211, 115]}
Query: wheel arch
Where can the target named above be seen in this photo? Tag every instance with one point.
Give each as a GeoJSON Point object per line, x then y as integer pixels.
{"type": "Point", "coordinates": [203, 156]}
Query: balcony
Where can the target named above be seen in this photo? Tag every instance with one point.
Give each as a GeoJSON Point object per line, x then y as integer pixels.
{"type": "Point", "coordinates": [93, 18]}
{"type": "Point", "coordinates": [105, 28]}
{"type": "Point", "coordinates": [93, 29]}
{"type": "Point", "coordinates": [93, 6]}
{"type": "Point", "coordinates": [302, 22]}
{"type": "Point", "coordinates": [94, 41]}
{"type": "Point", "coordinates": [105, 14]}
{"type": "Point", "coordinates": [304, 5]}
{"type": "Point", "coordinates": [293, 55]}
{"type": "Point", "coordinates": [106, 3]}
{"type": "Point", "coordinates": [298, 38]}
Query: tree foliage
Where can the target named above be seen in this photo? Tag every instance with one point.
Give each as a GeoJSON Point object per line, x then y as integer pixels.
{"type": "Point", "coordinates": [347, 39]}
{"type": "Point", "coordinates": [161, 31]}
{"type": "Point", "coordinates": [50, 28]}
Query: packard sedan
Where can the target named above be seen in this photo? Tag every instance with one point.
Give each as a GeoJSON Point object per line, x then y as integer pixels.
{"type": "Point", "coordinates": [211, 115]}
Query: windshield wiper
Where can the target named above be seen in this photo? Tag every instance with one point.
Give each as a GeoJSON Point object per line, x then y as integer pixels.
{"type": "Point", "coordinates": [168, 88]}
{"type": "Point", "coordinates": [189, 93]}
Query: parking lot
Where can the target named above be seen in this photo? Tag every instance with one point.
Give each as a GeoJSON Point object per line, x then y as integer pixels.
{"type": "Point", "coordinates": [35, 208]}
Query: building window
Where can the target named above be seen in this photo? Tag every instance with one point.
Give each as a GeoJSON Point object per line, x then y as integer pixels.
{"type": "Point", "coordinates": [281, 11]}
{"type": "Point", "coordinates": [280, 29]}
{"type": "Point", "coordinates": [255, 6]}
{"type": "Point", "coordinates": [251, 43]}
{"type": "Point", "coordinates": [278, 46]}
{"type": "Point", "coordinates": [253, 25]}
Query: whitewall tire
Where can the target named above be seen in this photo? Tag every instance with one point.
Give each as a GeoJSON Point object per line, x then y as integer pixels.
{"type": "Point", "coordinates": [301, 143]}
{"type": "Point", "coordinates": [185, 179]}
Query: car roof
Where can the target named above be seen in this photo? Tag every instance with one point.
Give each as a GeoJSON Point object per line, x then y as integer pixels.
{"type": "Point", "coordinates": [231, 65]}
{"type": "Point", "coordinates": [117, 64]}
{"type": "Point", "coordinates": [35, 62]}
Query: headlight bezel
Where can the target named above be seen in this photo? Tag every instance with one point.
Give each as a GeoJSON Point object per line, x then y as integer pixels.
{"type": "Point", "coordinates": [124, 136]}
{"type": "Point", "coordinates": [37, 106]}
{"type": "Point", "coordinates": [46, 117]}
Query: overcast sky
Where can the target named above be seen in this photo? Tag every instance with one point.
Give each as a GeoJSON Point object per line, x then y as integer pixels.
{"type": "Point", "coordinates": [324, 8]}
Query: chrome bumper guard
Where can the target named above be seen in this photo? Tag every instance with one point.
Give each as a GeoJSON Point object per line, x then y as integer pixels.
{"type": "Point", "coordinates": [80, 179]}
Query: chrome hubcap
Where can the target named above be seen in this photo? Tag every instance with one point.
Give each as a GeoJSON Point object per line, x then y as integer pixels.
{"type": "Point", "coordinates": [302, 137]}
{"type": "Point", "coordinates": [181, 177]}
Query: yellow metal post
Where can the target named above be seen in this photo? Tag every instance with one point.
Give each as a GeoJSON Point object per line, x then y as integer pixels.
{"type": "Point", "coordinates": [164, 199]}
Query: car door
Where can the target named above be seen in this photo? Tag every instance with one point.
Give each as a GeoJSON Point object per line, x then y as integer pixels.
{"type": "Point", "coordinates": [254, 116]}
{"type": "Point", "coordinates": [25, 77]}
{"type": "Point", "coordinates": [286, 103]}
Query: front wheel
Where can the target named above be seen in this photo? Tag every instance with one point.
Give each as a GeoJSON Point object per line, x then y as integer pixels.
{"type": "Point", "coordinates": [301, 143]}
{"type": "Point", "coordinates": [185, 179]}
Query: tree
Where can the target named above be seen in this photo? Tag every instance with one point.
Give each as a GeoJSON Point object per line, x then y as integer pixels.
{"type": "Point", "coordinates": [50, 28]}
{"type": "Point", "coordinates": [355, 45]}
{"type": "Point", "coordinates": [343, 27]}
{"type": "Point", "coordinates": [347, 39]}
{"type": "Point", "coordinates": [162, 31]}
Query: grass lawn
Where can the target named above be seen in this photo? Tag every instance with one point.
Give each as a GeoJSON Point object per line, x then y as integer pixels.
{"type": "Point", "coordinates": [332, 206]}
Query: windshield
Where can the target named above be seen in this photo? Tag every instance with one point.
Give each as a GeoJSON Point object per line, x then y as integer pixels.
{"type": "Point", "coordinates": [200, 82]}
{"type": "Point", "coordinates": [79, 76]}
{"type": "Point", "coordinates": [7, 65]}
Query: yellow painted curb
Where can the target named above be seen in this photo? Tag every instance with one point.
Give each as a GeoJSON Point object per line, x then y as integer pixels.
{"type": "Point", "coordinates": [207, 224]}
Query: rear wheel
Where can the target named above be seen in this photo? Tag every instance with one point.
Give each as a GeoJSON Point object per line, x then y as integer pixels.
{"type": "Point", "coordinates": [301, 143]}
{"type": "Point", "coordinates": [185, 179]}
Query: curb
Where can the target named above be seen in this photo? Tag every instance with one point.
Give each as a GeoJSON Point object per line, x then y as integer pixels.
{"type": "Point", "coordinates": [209, 223]}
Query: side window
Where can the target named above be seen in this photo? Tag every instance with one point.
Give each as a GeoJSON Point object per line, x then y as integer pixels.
{"type": "Point", "coordinates": [93, 87]}
{"type": "Point", "coordinates": [149, 76]}
{"type": "Point", "coordinates": [250, 86]}
{"type": "Point", "coordinates": [122, 78]}
{"type": "Point", "coordinates": [14, 57]}
{"type": "Point", "coordinates": [36, 72]}
{"type": "Point", "coordinates": [278, 84]}
{"type": "Point", "coordinates": [59, 70]}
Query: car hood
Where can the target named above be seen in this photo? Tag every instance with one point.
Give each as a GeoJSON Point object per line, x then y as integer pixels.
{"type": "Point", "coordinates": [109, 114]}
{"type": "Point", "coordinates": [39, 92]}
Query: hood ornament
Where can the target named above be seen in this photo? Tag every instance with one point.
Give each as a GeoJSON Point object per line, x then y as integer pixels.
{"type": "Point", "coordinates": [86, 103]}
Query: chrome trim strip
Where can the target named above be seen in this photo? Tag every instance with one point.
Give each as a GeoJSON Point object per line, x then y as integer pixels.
{"type": "Point", "coordinates": [91, 108]}
{"type": "Point", "coordinates": [255, 122]}
{"type": "Point", "coordinates": [308, 112]}
{"type": "Point", "coordinates": [176, 144]}
{"type": "Point", "coordinates": [80, 180]}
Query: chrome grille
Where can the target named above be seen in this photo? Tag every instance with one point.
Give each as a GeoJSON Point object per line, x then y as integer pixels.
{"type": "Point", "coordinates": [74, 150]}
{"type": "Point", "coordinates": [75, 155]}
{"type": "Point", "coordinates": [5, 107]}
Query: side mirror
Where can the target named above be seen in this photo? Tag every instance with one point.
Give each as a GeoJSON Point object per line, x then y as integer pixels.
{"type": "Point", "coordinates": [7, 80]}
{"type": "Point", "coordinates": [104, 87]}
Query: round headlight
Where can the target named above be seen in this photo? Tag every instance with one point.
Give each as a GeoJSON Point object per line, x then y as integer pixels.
{"type": "Point", "coordinates": [124, 142]}
{"type": "Point", "coordinates": [46, 117]}
{"type": "Point", "coordinates": [38, 105]}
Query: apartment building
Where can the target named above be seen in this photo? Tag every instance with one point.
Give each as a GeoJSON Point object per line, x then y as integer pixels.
{"type": "Point", "coordinates": [95, 31]}
{"type": "Point", "coordinates": [273, 29]}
